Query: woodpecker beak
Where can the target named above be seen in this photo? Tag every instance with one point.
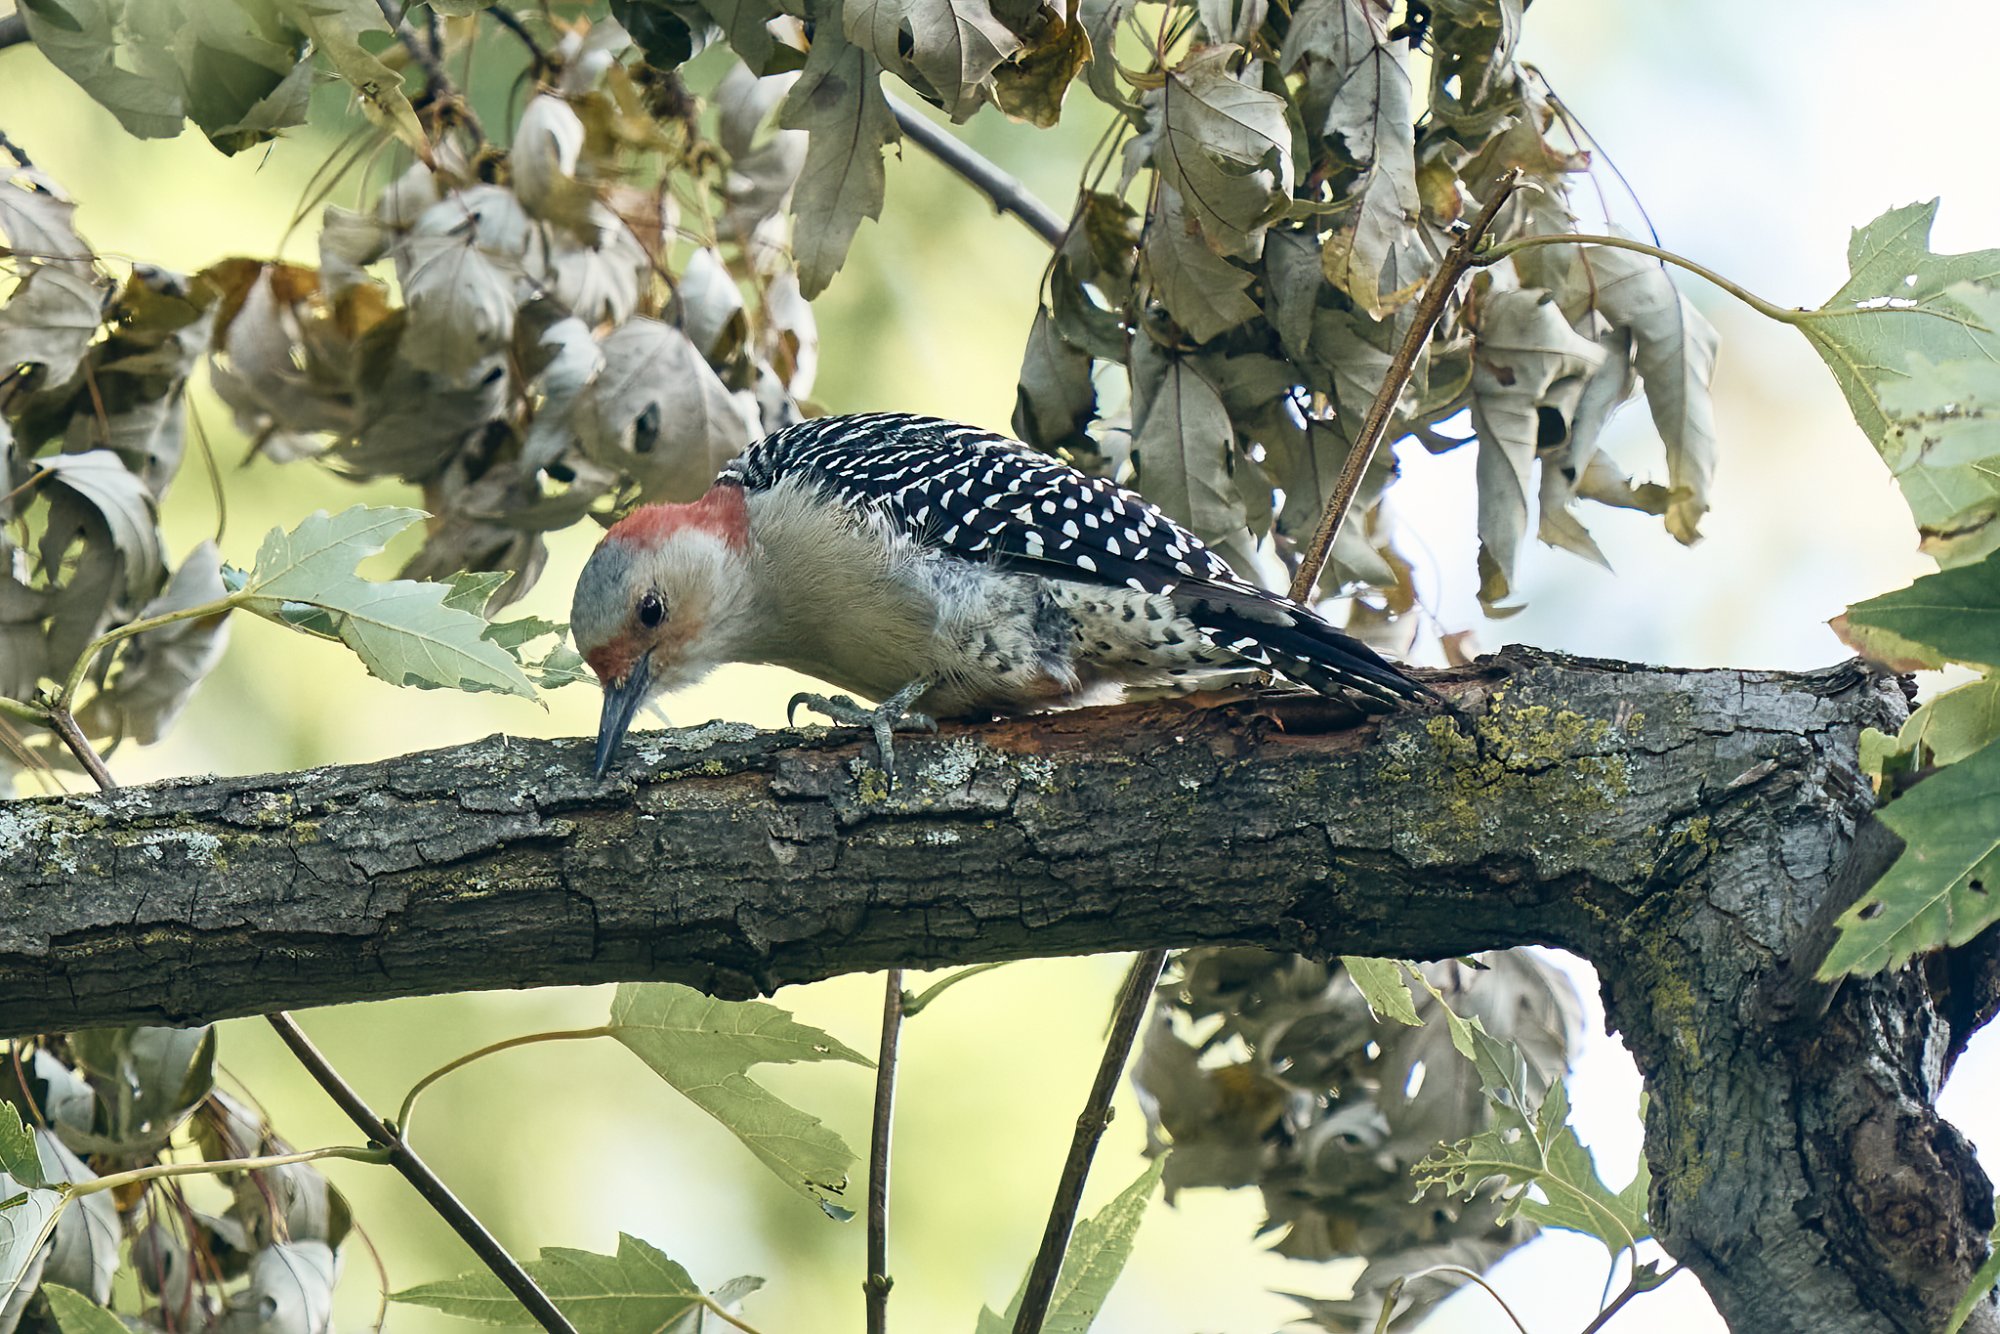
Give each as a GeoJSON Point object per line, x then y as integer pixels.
{"type": "Point", "coordinates": [621, 700]}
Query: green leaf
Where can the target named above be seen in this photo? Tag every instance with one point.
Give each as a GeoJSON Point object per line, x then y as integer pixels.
{"type": "Point", "coordinates": [1531, 1145]}
{"type": "Point", "coordinates": [1675, 347]}
{"type": "Point", "coordinates": [1054, 399]}
{"type": "Point", "coordinates": [639, 1289]}
{"type": "Point", "coordinates": [1183, 445]}
{"type": "Point", "coordinates": [115, 51]}
{"type": "Point", "coordinates": [50, 321]}
{"type": "Point", "coordinates": [25, 1228]}
{"type": "Point", "coordinates": [1097, 1253]}
{"type": "Point", "coordinates": [1980, 1288]}
{"type": "Point", "coordinates": [1955, 724]}
{"type": "Point", "coordinates": [1225, 146]}
{"type": "Point", "coordinates": [335, 27]}
{"type": "Point", "coordinates": [1945, 888]}
{"type": "Point", "coordinates": [77, 1314]}
{"type": "Point", "coordinates": [1381, 984]}
{"type": "Point", "coordinates": [18, 1156]}
{"type": "Point", "coordinates": [1888, 335]}
{"type": "Point", "coordinates": [401, 629]}
{"type": "Point", "coordinates": [947, 49]}
{"type": "Point", "coordinates": [1528, 361]}
{"type": "Point", "coordinates": [838, 102]}
{"type": "Point", "coordinates": [1205, 293]}
{"type": "Point", "coordinates": [703, 1046]}
{"type": "Point", "coordinates": [1950, 616]}
{"type": "Point", "coordinates": [1368, 119]}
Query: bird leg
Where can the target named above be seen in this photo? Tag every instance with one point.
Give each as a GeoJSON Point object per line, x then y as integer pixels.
{"type": "Point", "coordinates": [892, 713]}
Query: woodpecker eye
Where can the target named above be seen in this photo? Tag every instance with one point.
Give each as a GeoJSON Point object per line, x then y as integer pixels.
{"type": "Point", "coordinates": [652, 609]}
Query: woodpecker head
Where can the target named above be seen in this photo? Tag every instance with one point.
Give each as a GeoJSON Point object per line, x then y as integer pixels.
{"type": "Point", "coordinates": [663, 601]}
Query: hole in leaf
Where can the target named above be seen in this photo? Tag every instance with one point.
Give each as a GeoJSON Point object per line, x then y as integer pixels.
{"type": "Point", "coordinates": [1976, 885]}
{"type": "Point", "coordinates": [1870, 912]}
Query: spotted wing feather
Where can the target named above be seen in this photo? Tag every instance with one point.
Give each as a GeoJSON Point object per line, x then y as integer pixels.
{"type": "Point", "coordinates": [977, 495]}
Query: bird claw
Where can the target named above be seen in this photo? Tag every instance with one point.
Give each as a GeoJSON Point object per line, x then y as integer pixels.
{"type": "Point", "coordinates": [891, 714]}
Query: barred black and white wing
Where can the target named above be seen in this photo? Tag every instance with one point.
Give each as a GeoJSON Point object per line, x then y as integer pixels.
{"type": "Point", "coordinates": [977, 495]}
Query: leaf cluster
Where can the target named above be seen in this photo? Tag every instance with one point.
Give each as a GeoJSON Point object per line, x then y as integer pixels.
{"type": "Point", "coordinates": [263, 1254]}
{"type": "Point", "coordinates": [1324, 1086]}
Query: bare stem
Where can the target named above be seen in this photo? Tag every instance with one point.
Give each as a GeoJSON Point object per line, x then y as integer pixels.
{"type": "Point", "coordinates": [1632, 1289]}
{"type": "Point", "coordinates": [158, 1170]}
{"type": "Point", "coordinates": [1090, 1124]}
{"type": "Point", "coordinates": [1769, 309]}
{"type": "Point", "coordinates": [1007, 194]}
{"type": "Point", "coordinates": [96, 646]}
{"type": "Point", "coordinates": [1429, 309]}
{"type": "Point", "coordinates": [875, 1287]}
{"type": "Point", "coordinates": [1462, 1272]}
{"type": "Point", "coordinates": [427, 1183]}
{"type": "Point", "coordinates": [507, 19]}
{"type": "Point", "coordinates": [915, 1005]}
{"type": "Point", "coordinates": [63, 723]}
{"type": "Point", "coordinates": [507, 1044]}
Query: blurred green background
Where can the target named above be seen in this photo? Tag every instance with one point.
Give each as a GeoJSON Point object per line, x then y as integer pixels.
{"type": "Point", "coordinates": [1754, 136]}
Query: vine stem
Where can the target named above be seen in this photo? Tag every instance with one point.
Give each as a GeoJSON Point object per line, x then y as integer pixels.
{"type": "Point", "coordinates": [875, 1286]}
{"type": "Point", "coordinates": [158, 1170]}
{"type": "Point", "coordinates": [426, 1182]}
{"type": "Point", "coordinates": [505, 1044]}
{"type": "Point", "coordinates": [1768, 309]}
{"type": "Point", "coordinates": [74, 681]}
{"type": "Point", "coordinates": [915, 1005]}
{"type": "Point", "coordinates": [1007, 194]}
{"type": "Point", "coordinates": [1396, 1290]}
{"type": "Point", "coordinates": [1090, 1124]}
{"type": "Point", "coordinates": [1460, 258]}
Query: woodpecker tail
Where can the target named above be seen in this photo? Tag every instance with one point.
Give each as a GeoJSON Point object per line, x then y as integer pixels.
{"type": "Point", "coordinates": [1302, 645]}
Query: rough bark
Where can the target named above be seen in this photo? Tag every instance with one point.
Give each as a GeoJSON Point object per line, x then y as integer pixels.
{"type": "Point", "coordinates": [1689, 832]}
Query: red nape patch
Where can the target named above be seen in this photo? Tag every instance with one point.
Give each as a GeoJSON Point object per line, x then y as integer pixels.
{"type": "Point", "coordinates": [721, 512]}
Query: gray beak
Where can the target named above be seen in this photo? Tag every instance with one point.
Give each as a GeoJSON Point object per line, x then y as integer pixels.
{"type": "Point", "coordinates": [621, 700]}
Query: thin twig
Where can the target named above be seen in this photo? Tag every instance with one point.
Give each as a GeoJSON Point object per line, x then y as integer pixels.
{"type": "Point", "coordinates": [1462, 1272]}
{"type": "Point", "coordinates": [63, 723]}
{"type": "Point", "coordinates": [1090, 1124]}
{"type": "Point", "coordinates": [404, 1112]}
{"type": "Point", "coordinates": [1632, 1289]}
{"type": "Point", "coordinates": [437, 83]}
{"type": "Point", "coordinates": [875, 1287]}
{"type": "Point", "coordinates": [917, 1004]}
{"type": "Point", "coordinates": [1429, 309]}
{"type": "Point", "coordinates": [427, 1183]}
{"type": "Point", "coordinates": [1008, 195]}
{"type": "Point", "coordinates": [507, 19]}
{"type": "Point", "coordinates": [212, 1167]}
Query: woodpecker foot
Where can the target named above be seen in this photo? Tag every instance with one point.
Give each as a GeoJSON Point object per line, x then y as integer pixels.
{"type": "Point", "coordinates": [891, 714]}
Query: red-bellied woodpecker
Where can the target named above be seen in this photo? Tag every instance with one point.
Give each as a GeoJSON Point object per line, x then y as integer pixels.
{"type": "Point", "coordinates": [930, 564]}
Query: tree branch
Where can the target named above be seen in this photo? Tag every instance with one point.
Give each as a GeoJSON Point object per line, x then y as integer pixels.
{"type": "Point", "coordinates": [1457, 262]}
{"type": "Point", "coordinates": [1683, 830]}
{"type": "Point", "coordinates": [1007, 194]}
